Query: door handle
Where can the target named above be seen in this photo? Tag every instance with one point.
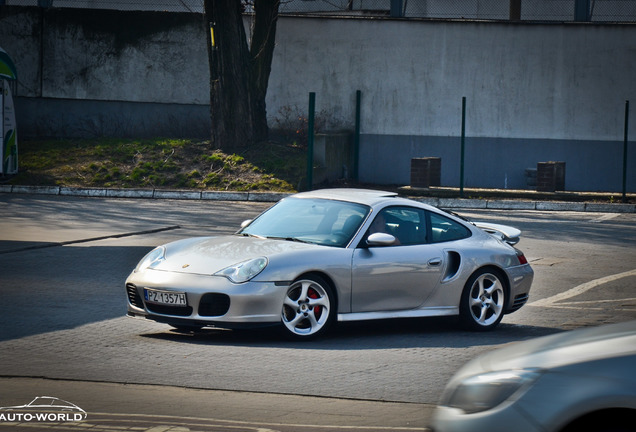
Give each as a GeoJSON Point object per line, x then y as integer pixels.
{"type": "Point", "coordinates": [434, 262]}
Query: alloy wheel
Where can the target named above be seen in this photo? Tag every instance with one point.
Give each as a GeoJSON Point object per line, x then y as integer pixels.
{"type": "Point", "coordinates": [483, 301]}
{"type": "Point", "coordinates": [307, 308]}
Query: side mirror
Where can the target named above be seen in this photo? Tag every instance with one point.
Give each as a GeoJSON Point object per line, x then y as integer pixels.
{"type": "Point", "coordinates": [246, 223]}
{"type": "Point", "coordinates": [381, 239]}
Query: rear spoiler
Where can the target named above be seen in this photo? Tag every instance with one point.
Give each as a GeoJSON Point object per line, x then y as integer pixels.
{"type": "Point", "coordinates": [504, 233]}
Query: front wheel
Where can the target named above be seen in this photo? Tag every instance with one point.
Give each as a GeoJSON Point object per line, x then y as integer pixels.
{"type": "Point", "coordinates": [483, 300]}
{"type": "Point", "coordinates": [308, 308]}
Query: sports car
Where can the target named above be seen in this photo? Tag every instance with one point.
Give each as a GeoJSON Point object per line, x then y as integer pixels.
{"type": "Point", "coordinates": [320, 257]}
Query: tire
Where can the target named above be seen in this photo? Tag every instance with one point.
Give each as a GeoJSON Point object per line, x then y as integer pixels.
{"type": "Point", "coordinates": [309, 308]}
{"type": "Point", "coordinates": [483, 300]}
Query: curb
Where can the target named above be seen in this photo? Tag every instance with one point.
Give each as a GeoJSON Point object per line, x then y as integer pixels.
{"type": "Point", "coordinates": [145, 193]}
{"type": "Point", "coordinates": [449, 203]}
{"type": "Point", "coordinates": [460, 203]}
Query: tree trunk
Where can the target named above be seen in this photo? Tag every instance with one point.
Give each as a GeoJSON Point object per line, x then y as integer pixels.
{"type": "Point", "coordinates": [230, 109]}
{"type": "Point", "coordinates": [238, 76]}
{"type": "Point", "coordinates": [262, 53]}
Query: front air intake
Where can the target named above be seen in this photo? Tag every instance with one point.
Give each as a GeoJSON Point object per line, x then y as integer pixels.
{"type": "Point", "coordinates": [133, 296]}
{"type": "Point", "coordinates": [214, 304]}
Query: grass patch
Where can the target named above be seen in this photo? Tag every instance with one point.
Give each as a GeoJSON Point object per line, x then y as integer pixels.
{"type": "Point", "coordinates": [159, 163]}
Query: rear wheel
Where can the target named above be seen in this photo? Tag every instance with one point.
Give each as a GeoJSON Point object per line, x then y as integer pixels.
{"type": "Point", "coordinates": [483, 300]}
{"type": "Point", "coordinates": [309, 308]}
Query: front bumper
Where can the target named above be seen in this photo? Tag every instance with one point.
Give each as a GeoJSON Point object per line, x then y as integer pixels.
{"type": "Point", "coordinates": [211, 300]}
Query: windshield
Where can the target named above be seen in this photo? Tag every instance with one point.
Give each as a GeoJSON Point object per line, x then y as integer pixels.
{"type": "Point", "coordinates": [320, 221]}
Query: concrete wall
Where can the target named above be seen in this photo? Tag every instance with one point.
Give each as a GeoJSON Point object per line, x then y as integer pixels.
{"type": "Point", "coordinates": [498, 162]}
{"type": "Point", "coordinates": [520, 80]}
{"type": "Point", "coordinates": [101, 72]}
{"type": "Point", "coordinates": [85, 54]}
{"type": "Point", "coordinates": [535, 92]}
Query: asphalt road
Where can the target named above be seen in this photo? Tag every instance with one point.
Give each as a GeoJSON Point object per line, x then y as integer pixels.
{"type": "Point", "coordinates": [63, 261]}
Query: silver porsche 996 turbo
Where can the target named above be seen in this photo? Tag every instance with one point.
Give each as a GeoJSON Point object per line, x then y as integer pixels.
{"type": "Point", "coordinates": [330, 255]}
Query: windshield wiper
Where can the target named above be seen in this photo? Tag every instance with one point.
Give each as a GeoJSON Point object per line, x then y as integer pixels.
{"type": "Point", "coordinates": [292, 239]}
{"type": "Point", "coordinates": [251, 235]}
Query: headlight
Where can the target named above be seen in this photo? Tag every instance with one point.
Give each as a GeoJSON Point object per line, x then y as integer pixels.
{"type": "Point", "coordinates": [483, 392]}
{"type": "Point", "coordinates": [244, 271]}
{"type": "Point", "coordinates": [151, 259]}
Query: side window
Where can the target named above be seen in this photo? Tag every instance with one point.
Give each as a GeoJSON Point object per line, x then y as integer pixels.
{"type": "Point", "coordinates": [406, 224]}
{"type": "Point", "coordinates": [444, 229]}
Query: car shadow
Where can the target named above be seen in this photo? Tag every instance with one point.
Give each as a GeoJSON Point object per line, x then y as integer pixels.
{"type": "Point", "coordinates": [443, 332]}
{"type": "Point", "coordinates": [47, 287]}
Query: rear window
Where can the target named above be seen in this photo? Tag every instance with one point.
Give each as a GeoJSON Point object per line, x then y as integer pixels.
{"type": "Point", "coordinates": [444, 229]}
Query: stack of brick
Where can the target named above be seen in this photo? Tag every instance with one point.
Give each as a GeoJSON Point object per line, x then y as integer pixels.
{"type": "Point", "coordinates": [426, 172]}
{"type": "Point", "coordinates": [550, 176]}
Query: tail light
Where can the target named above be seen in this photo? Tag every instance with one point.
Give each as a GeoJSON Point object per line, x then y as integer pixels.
{"type": "Point", "coordinates": [521, 257]}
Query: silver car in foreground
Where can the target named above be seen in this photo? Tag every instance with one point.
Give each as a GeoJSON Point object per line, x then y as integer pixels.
{"type": "Point", "coordinates": [335, 255]}
{"type": "Point", "coordinates": [578, 381]}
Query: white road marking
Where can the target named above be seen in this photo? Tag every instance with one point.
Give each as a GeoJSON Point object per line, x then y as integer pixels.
{"type": "Point", "coordinates": [578, 290]}
{"type": "Point", "coordinates": [604, 218]}
{"type": "Point", "coordinates": [620, 300]}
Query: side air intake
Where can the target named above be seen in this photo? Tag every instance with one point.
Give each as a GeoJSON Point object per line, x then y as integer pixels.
{"type": "Point", "coordinates": [454, 262]}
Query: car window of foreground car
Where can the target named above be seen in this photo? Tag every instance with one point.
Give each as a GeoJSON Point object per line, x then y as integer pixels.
{"type": "Point", "coordinates": [319, 221]}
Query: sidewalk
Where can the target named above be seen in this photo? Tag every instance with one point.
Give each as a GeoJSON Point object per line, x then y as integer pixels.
{"type": "Point", "coordinates": [496, 199]}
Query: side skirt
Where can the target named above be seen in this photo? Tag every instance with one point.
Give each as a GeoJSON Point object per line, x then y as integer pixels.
{"type": "Point", "coordinates": [412, 313]}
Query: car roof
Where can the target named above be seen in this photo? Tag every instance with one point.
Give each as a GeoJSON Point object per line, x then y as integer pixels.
{"type": "Point", "coordinates": [362, 196]}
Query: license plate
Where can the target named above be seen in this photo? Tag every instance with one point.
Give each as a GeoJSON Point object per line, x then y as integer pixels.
{"type": "Point", "coordinates": [169, 298]}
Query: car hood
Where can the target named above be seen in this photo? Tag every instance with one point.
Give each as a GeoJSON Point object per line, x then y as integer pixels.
{"type": "Point", "coordinates": [208, 255]}
{"type": "Point", "coordinates": [558, 350]}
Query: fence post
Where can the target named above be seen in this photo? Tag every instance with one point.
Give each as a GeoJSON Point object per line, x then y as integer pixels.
{"type": "Point", "coordinates": [356, 138]}
{"type": "Point", "coordinates": [582, 10]}
{"type": "Point", "coordinates": [396, 8]}
{"type": "Point", "coordinates": [625, 151]}
{"type": "Point", "coordinates": [310, 140]}
{"type": "Point", "coordinates": [515, 10]}
{"type": "Point", "coordinates": [463, 147]}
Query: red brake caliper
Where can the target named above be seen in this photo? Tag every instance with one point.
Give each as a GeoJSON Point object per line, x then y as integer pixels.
{"type": "Point", "coordinates": [312, 294]}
